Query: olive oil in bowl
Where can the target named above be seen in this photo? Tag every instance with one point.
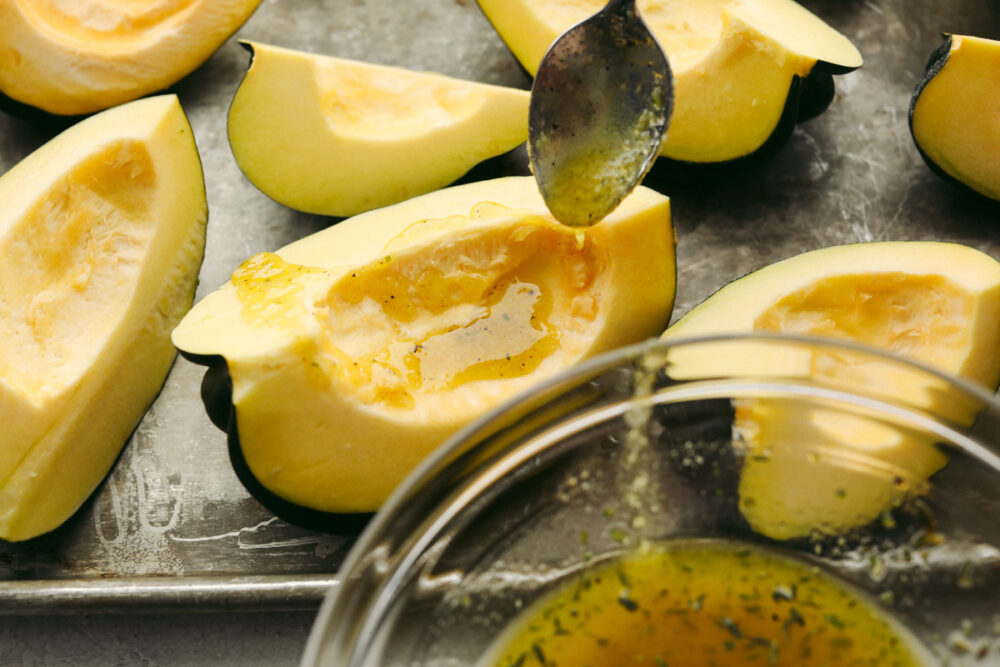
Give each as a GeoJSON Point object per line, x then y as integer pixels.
{"type": "Point", "coordinates": [704, 603]}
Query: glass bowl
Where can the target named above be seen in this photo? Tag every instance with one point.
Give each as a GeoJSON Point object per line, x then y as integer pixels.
{"type": "Point", "coordinates": [880, 473]}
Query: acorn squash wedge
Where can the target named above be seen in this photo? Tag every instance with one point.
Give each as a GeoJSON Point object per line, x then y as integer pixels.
{"type": "Point", "coordinates": [102, 234]}
{"type": "Point", "coordinates": [338, 137]}
{"type": "Point", "coordinates": [73, 58]}
{"type": "Point", "coordinates": [808, 470]}
{"type": "Point", "coordinates": [357, 350]}
{"type": "Point", "coordinates": [741, 67]}
{"type": "Point", "coordinates": [953, 117]}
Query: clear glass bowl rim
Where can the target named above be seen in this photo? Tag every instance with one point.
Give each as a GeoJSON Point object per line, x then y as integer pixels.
{"type": "Point", "coordinates": [384, 520]}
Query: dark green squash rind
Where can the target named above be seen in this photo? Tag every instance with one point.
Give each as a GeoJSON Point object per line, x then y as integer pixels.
{"type": "Point", "coordinates": [935, 63]}
{"type": "Point", "coordinates": [817, 94]}
{"type": "Point", "coordinates": [782, 131]}
{"type": "Point", "coordinates": [286, 510]}
{"type": "Point", "coordinates": [49, 121]}
{"type": "Point", "coordinates": [670, 170]}
{"type": "Point", "coordinates": [833, 69]}
{"type": "Point", "coordinates": [938, 59]}
{"type": "Point", "coordinates": [217, 392]}
{"type": "Point", "coordinates": [807, 98]}
{"type": "Point", "coordinates": [217, 397]}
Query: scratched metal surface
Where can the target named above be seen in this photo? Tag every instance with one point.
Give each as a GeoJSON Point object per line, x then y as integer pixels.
{"type": "Point", "coordinates": [172, 528]}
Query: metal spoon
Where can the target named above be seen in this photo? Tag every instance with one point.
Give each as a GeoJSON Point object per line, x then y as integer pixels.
{"type": "Point", "coordinates": [600, 105]}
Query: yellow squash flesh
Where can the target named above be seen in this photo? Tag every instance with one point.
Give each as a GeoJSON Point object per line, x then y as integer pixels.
{"type": "Point", "coordinates": [733, 61]}
{"type": "Point", "coordinates": [954, 118]}
{"type": "Point", "coordinates": [72, 58]}
{"type": "Point", "coordinates": [102, 235]}
{"type": "Point", "coordinates": [338, 137]}
{"type": "Point", "coordinates": [809, 469]}
{"type": "Point", "coordinates": [356, 351]}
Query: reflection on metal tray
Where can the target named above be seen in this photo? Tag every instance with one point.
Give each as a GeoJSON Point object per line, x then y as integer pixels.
{"type": "Point", "coordinates": [172, 528]}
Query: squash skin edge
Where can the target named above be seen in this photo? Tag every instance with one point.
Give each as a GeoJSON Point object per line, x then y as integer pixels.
{"type": "Point", "coordinates": [216, 395]}
{"type": "Point", "coordinates": [935, 63]}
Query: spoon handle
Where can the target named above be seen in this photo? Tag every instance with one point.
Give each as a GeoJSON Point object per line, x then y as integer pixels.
{"type": "Point", "coordinates": [600, 105]}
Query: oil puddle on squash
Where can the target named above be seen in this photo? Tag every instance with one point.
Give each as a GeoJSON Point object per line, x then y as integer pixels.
{"type": "Point", "coordinates": [347, 373]}
{"type": "Point", "coordinates": [486, 308]}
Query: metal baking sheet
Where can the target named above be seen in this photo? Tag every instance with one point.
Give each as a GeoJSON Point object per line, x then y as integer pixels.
{"type": "Point", "coordinates": [172, 528]}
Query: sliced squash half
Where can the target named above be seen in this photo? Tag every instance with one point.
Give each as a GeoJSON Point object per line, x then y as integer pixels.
{"type": "Point", "coordinates": [102, 234]}
{"type": "Point", "coordinates": [72, 58]}
{"type": "Point", "coordinates": [953, 114]}
{"type": "Point", "coordinates": [338, 137]}
{"type": "Point", "coordinates": [356, 351]}
{"type": "Point", "coordinates": [813, 469]}
{"type": "Point", "coordinates": [740, 66]}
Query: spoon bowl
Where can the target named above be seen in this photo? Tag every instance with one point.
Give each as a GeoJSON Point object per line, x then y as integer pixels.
{"type": "Point", "coordinates": [600, 105]}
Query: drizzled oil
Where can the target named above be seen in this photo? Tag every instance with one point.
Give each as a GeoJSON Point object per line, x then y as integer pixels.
{"type": "Point", "coordinates": [509, 340]}
{"type": "Point", "coordinates": [704, 603]}
{"type": "Point", "coordinates": [270, 290]}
